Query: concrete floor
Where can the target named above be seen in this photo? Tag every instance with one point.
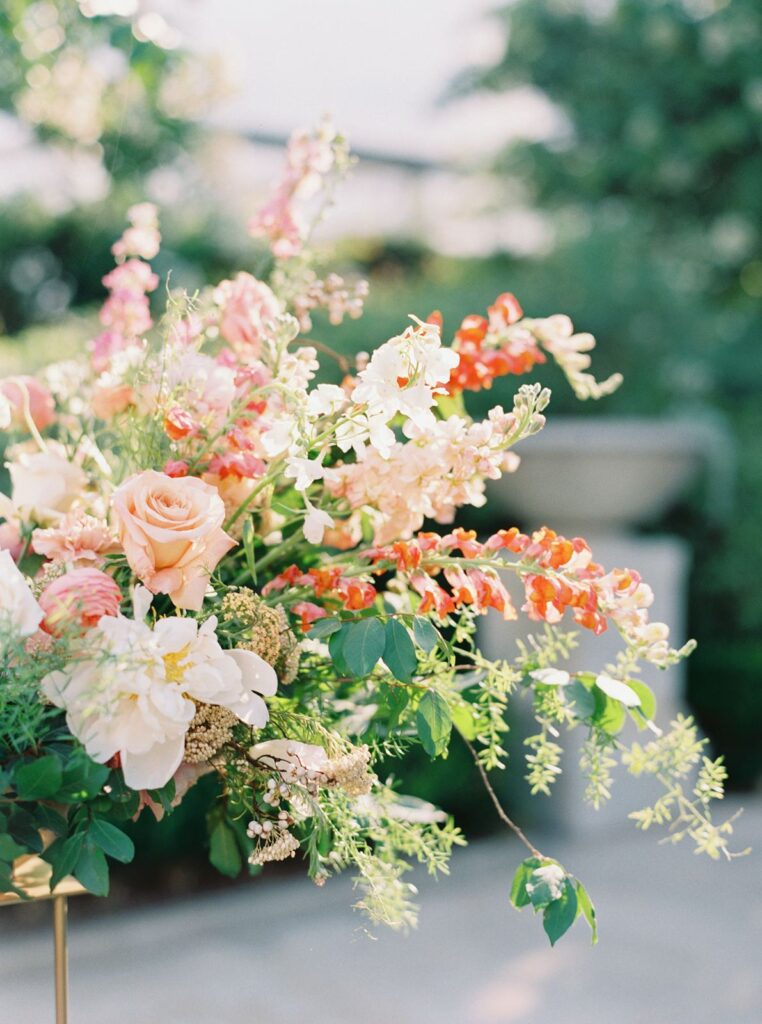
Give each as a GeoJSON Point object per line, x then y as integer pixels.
{"type": "Point", "coordinates": [680, 944]}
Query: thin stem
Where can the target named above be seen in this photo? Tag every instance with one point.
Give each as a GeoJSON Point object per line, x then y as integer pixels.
{"type": "Point", "coordinates": [501, 813]}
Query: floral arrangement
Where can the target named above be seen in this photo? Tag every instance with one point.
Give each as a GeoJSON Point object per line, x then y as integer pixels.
{"type": "Point", "coordinates": [214, 562]}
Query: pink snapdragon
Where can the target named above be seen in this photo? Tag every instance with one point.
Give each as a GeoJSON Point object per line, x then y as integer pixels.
{"type": "Point", "coordinates": [247, 309]}
{"type": "Point", "coordinates": [141, 238]}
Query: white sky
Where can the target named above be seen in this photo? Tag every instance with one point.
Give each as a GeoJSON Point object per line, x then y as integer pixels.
{"type": "Point", "coordinates": [379, 67]}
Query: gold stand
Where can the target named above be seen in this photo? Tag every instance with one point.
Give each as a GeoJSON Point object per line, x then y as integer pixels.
{"type": "Point", "coordinates": [32, 875]}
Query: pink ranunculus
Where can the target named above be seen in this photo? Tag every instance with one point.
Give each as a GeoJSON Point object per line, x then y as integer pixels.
{"type": "Point", "coordinates": [78, 540]}
{"type": "Point", "coordinates": [247, 306]}
{"type": "Point", "coordinates": [171, 531]}
{"type": "Point", "coordinates": [108, 401]}
{"type": "Point", "coordinates": [79, 598]}
{"type": "Point", "coordinates": [23, 391]}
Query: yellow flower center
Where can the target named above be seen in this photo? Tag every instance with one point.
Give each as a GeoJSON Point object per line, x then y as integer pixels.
{"type": "Point", "coordinates": [174, 664]}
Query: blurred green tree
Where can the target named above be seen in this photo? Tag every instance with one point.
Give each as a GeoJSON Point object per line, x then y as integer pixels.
{"type": "Point", "coordinates": [94, 99]}
{"type": "Point", "coordinates": [653, 187]}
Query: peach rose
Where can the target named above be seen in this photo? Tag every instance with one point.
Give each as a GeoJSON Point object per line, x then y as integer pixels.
{"type": "Point", "coordinates": [22, 390]}
{"type": "Point", "coordinates": [171, 532]}
{"type": "Point", "coordinates": [80, 597]}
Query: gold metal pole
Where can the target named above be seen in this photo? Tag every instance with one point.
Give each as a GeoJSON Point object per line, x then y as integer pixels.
{"type": "Point", "coordinates": [61, 954]}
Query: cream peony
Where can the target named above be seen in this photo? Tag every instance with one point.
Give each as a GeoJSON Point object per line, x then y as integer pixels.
{"type": "Point", "coordinates": [45, 485]}
{"type": "Point", "coordinates": [134, 694]}
{"type": "Point", "coordinates": [18, 608]}
{"type": "Point", "coordinates": [171, 532]}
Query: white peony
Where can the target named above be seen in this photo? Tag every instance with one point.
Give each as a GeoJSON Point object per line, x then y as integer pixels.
{"type": "Point", "coordinates": [135, 693]}
{"type": "Point", "coordinates": [6, 412]}
{"type": "Point", "coordinates": [17, 605]}
{"type": "Point", "coordinates": [45, 485]}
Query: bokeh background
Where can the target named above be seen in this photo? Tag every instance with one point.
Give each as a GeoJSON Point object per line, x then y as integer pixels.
{"type": "Point", "coordinates": [597, 157]}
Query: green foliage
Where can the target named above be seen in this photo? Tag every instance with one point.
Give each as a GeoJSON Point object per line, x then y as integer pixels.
{"type": "Point", "coordinates": [362, 645]}
{"type": "Point", "coordinates": [434, 723]}
{"type": "Point", "coordinates": [544, 885]}
{"type": "Point", "coordinates": [652, 189]}
{"type": "Point", "coordinates": [399, 652]}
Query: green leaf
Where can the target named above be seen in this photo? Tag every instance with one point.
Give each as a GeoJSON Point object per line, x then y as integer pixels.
{"type": "Point", "coordinates": [324, 627]}
{"type": "Point", "coordinates": [46, 817]}
{"type": "Point", "coordinates": [396, 699]}
{"type": "Point", "coordinates": [434, 723]}
{"type": "Point", "coordinates": [336, 650]}
{"type": "Point", "coordinates": [559, 916]}
{"type": "Point", "coordinates": [425, 633]}
{"type": "Point", "coordinates": [583, 700]}
{"type": "Point", "coordinates": [91, 869]}
{"type": "Point", "coordinates": [647, 710]}
{"type": "Point", "coordinates": [586, 908]}
{"type": "Point", "coordinates": [519, 894]}
{"type": "Point", "coordinates": [82, 778]}
{"type": "Point", "coordinates": [38, 779]}
{"type": "Point", "coordinates": [9, 848]}
{"type": "Point", "coordinates": [363, 646]}
{"type": "Point", "coordinates": [111, 840]}
{"type": "Point", "coordinates": [609, 714]}
{"type": "Point", "coordinates": [164, 796]}
{"type": "Point", "coordinates": [463, 720]}
{"type": "Point", "coordinates": [247, 538]}
{"type": "Point", "coordinates": [399, 652]}
{"type": "Point", "coordinates": [62, 855]}
{"type": "Point", "coordinates": [24, 829]}
{"type": "Point", "coordinates": [223, 849]}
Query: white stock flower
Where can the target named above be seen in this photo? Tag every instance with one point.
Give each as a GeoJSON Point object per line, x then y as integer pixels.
{"type": "Point", "coordinates": [134, 693]}
{"type": "Point", "coordinates": [325, 400]}
{"type": "Point", "coordinates": [402, 375]}
{"type": "Point", "coordinates": [279, 437]}
{"type": "Point", "coordinates": [18, 608]}
{"type": "Point", "coordinates": [304, 471]}
{"type": "Point", "coordinates": [316, 522]}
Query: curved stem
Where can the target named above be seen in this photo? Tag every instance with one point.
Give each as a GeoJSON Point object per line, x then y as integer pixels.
{"type": "Point", "coordinates": [501, 812]}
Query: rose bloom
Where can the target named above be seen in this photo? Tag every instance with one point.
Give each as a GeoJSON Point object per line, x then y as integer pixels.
{"type": "Point", "coordinates": [19, 390]}
{"type": "Point", "coordinates": [78, 540]}
{"type": "Point", "coordinates": [247, 305]}
{"type": "Point", "coordinates": [79, 598]}
{"type": "Point", "coordinates": [108, 401]}
{"type": "Point", "coordinates": [18, 607]}
{"type": "Point", "coordinates": [171, 531]}
{"type": "Point", "coordinates": [45, 485]}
